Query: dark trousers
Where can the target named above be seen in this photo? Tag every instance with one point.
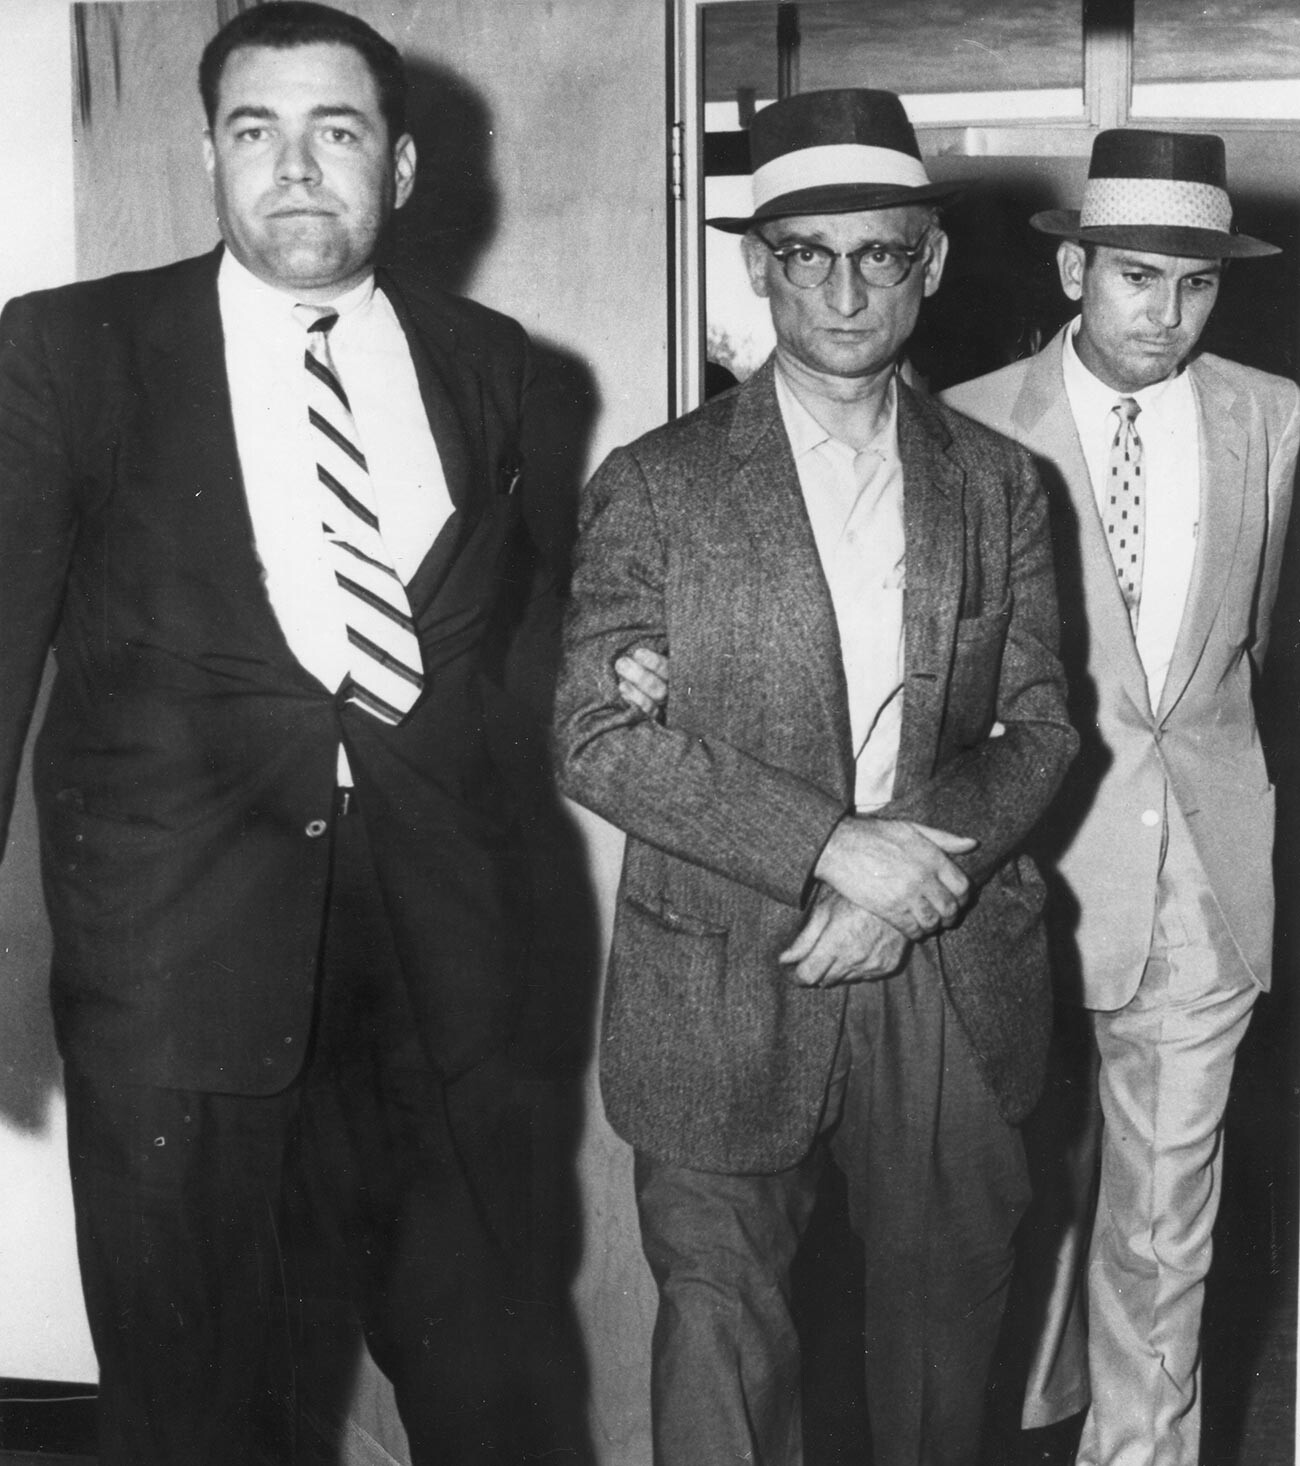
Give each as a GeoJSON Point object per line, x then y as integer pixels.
{"type": "Point", "coordinates": [189, 1282]}
{"type": "Point", "coordinates": [936, 1185]}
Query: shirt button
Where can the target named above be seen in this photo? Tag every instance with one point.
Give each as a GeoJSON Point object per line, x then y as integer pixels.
{"type": "Point", "coordinates": [1150, 818]}
{"type": "Point", "coordinates": [315, 829]}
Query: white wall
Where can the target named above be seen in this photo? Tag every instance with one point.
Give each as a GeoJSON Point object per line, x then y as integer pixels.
{"type": "Point", "coordinates": [43, 1331]}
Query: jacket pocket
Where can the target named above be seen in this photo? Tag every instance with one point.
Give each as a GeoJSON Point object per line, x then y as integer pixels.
{"type": "Point", "coordinates": [976, 670]}
{"type": "Point", "coordinates": [971, 629]}
{"type": "Point", "coordinates": [667, 916]}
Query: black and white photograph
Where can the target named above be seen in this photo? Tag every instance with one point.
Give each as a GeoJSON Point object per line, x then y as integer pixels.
{"type": "Point", "coordinates": [649, 732]}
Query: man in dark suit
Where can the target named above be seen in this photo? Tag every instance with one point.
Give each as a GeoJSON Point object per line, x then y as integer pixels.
{"type": "Point", "coordinates": [826, 934]}
{"type": "Point", "coordinates": [256, 502]}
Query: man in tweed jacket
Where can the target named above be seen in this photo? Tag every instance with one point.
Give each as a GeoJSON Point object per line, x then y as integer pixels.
{"type": "Point", "coordinates": [866, 718]}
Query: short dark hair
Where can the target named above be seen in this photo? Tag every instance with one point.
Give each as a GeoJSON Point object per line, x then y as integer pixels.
{"type": "Point", "coordinates": [283, 24]}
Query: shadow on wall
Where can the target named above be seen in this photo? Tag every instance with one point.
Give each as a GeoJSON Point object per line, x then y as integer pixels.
{"type": "Point", "coordinates": [451, 218]}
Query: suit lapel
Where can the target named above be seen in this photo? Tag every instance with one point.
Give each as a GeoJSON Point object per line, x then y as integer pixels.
{"type": "Point", "coordinates": [1223, 445]}
{"type": "Point", "coordinates": [1044, 421]}
{"type": "Point", "coordinates": [193, 423]}
{"type": "Point", "coordinates": [185, 375]}
{"type": "Point", "coordinates": [934, 532]}
{"type": "Point", "coordinates": [766, 499]}
{"type": "Point", "coordinates": [192, 442]}
{"type": "Point", "coordinates": [453, 400]}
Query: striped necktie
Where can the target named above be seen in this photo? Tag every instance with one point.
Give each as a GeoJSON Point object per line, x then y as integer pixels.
{"type": "Point", "coordinates": [385, 667]}
{"type": "Point", "coordinates": [1125, 513]}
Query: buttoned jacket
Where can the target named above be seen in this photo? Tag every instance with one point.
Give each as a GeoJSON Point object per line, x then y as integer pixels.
{"type": "Point", "coordinates": [185, 769]}
{"type": "Point", "coordinates": [1199, 749]}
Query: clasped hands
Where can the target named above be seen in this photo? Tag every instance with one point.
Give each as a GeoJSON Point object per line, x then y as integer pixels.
{"type": "Point", "coordinates": [883, 883]}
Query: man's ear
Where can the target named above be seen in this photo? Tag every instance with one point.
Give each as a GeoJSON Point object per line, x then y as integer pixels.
{"type": "Point", "coordinates": [403, 169]}
{"type": "Point", "coordinates": [1071, 262]}
{"type": "Point", "coordinates": [756, 257]}
{"type": "Point", "coordinates": [209, 157]}
{"type": "Point", "coordinates": [938, 254]}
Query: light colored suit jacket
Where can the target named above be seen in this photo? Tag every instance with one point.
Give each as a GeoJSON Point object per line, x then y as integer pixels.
{"type": "Point", "coordinates": [695, 540]}
{"type": "Point", "coordinates": [1200, 747]}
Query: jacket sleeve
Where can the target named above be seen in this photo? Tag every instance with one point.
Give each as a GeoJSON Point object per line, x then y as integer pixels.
{"type": "Point", "coordinates": [691, 794]}
{"type": "Point", "coordinates": [996, 788]}
{"type": "Point", "coordinates": [37, 512]}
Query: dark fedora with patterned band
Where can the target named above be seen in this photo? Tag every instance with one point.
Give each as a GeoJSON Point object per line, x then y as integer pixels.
{"type": "Point", "coordinates": [1165, 193]}
{"type": "Point", "coordinates": [834, 152]}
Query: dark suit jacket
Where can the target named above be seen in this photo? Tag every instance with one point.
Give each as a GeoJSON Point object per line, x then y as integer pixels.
{"type": "Point", "coordinates": [696, 540]}
{"type": "Point", "coordinates": [187, 761]}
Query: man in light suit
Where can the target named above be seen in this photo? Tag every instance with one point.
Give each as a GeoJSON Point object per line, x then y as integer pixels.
{"type": "Point", "coordinates": [827, 936]}
{"type": "Point", "coordinates": [257, 502]}
{"type": "Point", "coordinates": [1163, 833]}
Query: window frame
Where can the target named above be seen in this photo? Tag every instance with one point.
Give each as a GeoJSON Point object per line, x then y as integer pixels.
{"type": "Point", "coordinates": [1107, 29]}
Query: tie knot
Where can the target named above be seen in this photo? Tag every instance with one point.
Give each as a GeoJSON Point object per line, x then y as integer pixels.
{"type": "Point", "coordinates": [1128, 409]}
{"type": "Point", "coordinates": [316, 318]}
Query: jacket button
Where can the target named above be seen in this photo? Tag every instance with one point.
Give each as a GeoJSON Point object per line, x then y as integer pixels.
{"type": "Point", "coordinates": [314, 829]}
{"type": "Point", "coordinates": [1150, 818]}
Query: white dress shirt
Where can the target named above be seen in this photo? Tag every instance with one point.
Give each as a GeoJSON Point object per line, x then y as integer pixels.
{"type": "Point", "coordinates": [854, 500]}
{"type": "Point", "coordinates": [1169, 427]}
{"type": "Point", "coordinates": [264, 348]}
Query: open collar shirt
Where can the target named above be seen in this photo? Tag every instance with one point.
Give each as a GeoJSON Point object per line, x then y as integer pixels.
{"type": "Point", "coordinates": [854, 501]}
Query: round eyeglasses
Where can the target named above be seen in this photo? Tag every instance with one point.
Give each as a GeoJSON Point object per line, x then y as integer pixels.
{"type": "Point", "coordinates": [882, 265]}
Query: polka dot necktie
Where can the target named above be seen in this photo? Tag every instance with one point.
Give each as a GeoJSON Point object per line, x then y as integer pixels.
{"type": "Point", "coordinates": [386, 673]}
{"type": "Point", "coordinates": [1125, 507]}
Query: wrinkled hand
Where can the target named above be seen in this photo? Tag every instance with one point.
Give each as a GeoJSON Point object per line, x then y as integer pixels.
{"type": "Point", "coordinates": [643, 680]}
{"type": "Point", "coordinates": [841, 942]}
{"type": "Point", "coordinates": [899, 870]}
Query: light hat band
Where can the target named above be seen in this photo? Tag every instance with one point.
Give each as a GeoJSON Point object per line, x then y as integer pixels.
{"type": "Point", "coordinates": [836, 163]}
{"type": "Point", "coordinates": [1111, 202]}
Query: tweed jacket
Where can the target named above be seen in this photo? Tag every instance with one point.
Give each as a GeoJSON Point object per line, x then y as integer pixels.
{"type": "Point", "coordinates": [185, 768]}
{"type": "Point", "coordinates": [1200, 747]}
{"type": "Point", "coordinates": [695, 541]}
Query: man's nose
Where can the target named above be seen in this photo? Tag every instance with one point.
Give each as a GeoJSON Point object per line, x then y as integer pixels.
{"type": "Point", "coordinates": [297, 162]}
{"type": "Point", "coordinates": [846, 290]}
{"type": "Point", "coordinates": [1167, 304]}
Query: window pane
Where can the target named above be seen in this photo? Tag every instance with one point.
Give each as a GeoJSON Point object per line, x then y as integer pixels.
{"type": "Point", "coordinates": [1233, 58]}
{"type": "Point", "coordinates": [965, 60]}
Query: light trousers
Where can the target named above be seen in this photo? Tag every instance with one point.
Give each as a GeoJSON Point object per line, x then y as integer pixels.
{"type": "Point", "coordinates": [1166, 1065]}
{"type": "Point", "coordinates": [1131, 1270]}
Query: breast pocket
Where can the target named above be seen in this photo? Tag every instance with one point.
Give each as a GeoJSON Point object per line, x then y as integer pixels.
{"type": "Point", "coordinates": [976, 670]}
